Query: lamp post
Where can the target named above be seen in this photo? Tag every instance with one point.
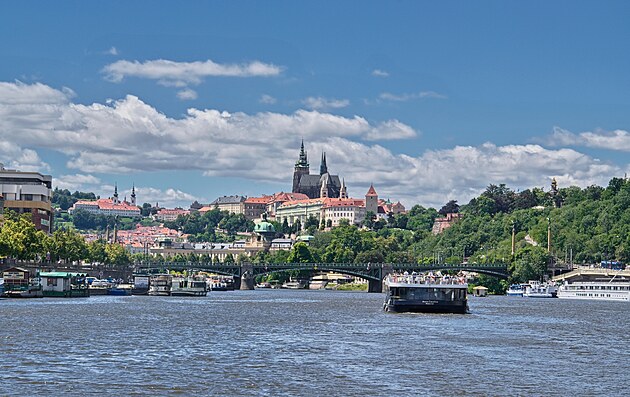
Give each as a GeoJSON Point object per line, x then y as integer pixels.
{"type": "Point", "coordinates": [548, 234]}
{"type": "Point", "coordinates": [513, 238]}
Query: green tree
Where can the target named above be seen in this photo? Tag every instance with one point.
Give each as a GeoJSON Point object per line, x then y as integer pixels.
{"type": "Point", "coordinates": [300, 253]}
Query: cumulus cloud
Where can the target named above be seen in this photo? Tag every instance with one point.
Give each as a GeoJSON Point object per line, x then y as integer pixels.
{"type": "Point", "coordinates": [379, 73]}
{"type": "Point", "coordinates": [15, 157]}
{"type": "Point", "coordinates": [180, 74]}
{"type": "Point", "coordinates": [611, 140]}
{"type": "Point", "coordinates": [19, 93]}
{"type": "Point", "coordinates": [128, 135]}
{"type": "Point", "coordinates": [387, 96]}
{"type": "Point", "coordinates": [76, 181]}
{"type": "Point", "coordinates": [320, 103]}
{"type": "Point", "coordinates": [267, 99]}
{"type": "Point", "coordinates": [112, 51]}
{"type": "Point", "coordinates": [187, 94]}
{"type": "Point", "coordinates": [168, 198]}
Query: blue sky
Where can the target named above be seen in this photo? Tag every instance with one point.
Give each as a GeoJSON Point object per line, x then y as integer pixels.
{"type": "Point", "coordinates": [430, 101]}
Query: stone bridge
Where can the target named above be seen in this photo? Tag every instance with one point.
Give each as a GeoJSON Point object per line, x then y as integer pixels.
{"type": "Point", "coordinates": [373, 272]}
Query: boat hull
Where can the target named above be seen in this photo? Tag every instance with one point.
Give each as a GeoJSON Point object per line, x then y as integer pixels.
{"type": "Point", "coordinates": [24, 294]}
{"type": "Point", "coordinates": [427, 307]}
{"type": "Point", "coordinates": [189, 293]}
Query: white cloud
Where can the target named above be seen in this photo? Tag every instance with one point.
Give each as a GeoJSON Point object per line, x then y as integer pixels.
{"type": "Point", "coordinates": [112, 51]}
{"type": "Point", "coordinates": [128, 135]}
{"type": "Point", "coordinates": [76, 182]}
{"type": "Point", "coordinates": [15, 157]}
{"type": "Point", "coordinates": [387, 96]}
{"type": "Point", "coordinates": [320, 103]}
{"type": "Point", "coordinates": [168, 198]}
{"type": "Point", "coordinates": [187, 94]}
{"type": "Point", "coordinates": [267, 99]}
{"type": "Point", "coordinates": [611, 140]}
{"type": "Point", "coordinates": [379, 73]}
{"type": "Point", "coordinates": [181, 74]}
{"type": "Point", "coordinates": [19, 93]}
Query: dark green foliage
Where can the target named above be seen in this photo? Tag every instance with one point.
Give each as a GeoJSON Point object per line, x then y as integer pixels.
{"type": "Point", "coordinates": [64, 199]}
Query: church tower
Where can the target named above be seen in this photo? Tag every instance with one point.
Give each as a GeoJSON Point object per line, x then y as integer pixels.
{"type": "Point", "coordinates": [115, 198]}
{"type": "Point", "coordinates": [343, 193]}
{"type": "Point", "coordinates": [323, 191]}
{"type": "Point", "coordinates": [323, 169]}
{"type": "Point", "coordinates": [133, 194]}
{"type": "Point", "coordinates": [301, 168]}
{"type": "Point", "coordinates": [371, 201]}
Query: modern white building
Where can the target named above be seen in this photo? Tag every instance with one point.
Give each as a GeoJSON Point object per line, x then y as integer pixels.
{"type": "Point", "coordinates": [29, 192]}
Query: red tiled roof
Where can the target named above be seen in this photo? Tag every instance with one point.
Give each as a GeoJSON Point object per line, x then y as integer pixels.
{"type": "Point", "coordinates": [338, 202]}
{"type": "Point", "coordinates": [371, 191]}
{"type": "Point", "coordinates": [258, 200]}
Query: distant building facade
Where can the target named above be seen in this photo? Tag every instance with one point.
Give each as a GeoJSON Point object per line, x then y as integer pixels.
{"type": "Point", "coordinates": [110, 206]}
{"type": "Point", "coordinates": [169, 215]}
{"type": "Point", "coordinates": [231, 204]}
{"type": "Point", "coordinates": [27, 192]}
{"type": "Point", "coordinates": [441, 224]}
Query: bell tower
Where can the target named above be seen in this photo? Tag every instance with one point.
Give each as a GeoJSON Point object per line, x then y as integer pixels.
{"type": "Point", "coordinates": [301, 168]}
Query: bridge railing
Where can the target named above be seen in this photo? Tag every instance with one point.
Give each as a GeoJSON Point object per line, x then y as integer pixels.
{"type": "Point", "coordinates": [202, 265]}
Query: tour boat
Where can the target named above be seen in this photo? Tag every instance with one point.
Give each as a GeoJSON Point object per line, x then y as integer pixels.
{"type": "Point", "coordinates": [426, 293]}
{"type": "Point", "coordinates": [610, 290]}
{"type": "Point", "coordinates": [295, 284]}
{"type": "Point", "coordinates": [120, 290]}
{"type": "Point", "coordinates": [516, 289]}
{"type": "Point", "coordinates": [160, 284]}
{"type": "Point", "coordinates": [189, 286]}
{"type": "Point", "coordinates": [536, 289]}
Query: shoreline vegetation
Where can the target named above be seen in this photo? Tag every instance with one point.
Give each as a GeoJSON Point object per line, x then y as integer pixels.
{"type": "Point", "coordinates": [554, 227]}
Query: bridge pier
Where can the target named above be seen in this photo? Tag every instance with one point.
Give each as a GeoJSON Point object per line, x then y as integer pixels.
{"type": "Point", "coordinates": [247, 277]}
{"type": "Point", "coordinates": [375, 286]}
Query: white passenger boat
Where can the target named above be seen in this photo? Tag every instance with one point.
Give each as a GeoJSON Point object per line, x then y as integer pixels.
{"type": "Point", "coordinates": [160, 284]}
{"type": "Point", "coordinates": [536, 289]}
{"type": "Point", "coordinates": [516, 289]}
{"type": "Point", "coordinates": [596, 290]}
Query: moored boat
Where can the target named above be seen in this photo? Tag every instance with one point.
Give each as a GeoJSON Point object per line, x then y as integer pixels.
{"type": "Point", "coordinates": [516, 289]}
{"type": "Point", "coordinates": [140, 284]}
{"type": "Point", "coordinates": [120, 290]}
{"type": "Point", "coordinates": [596, 290]}
{"type": "Point", "coordinates": [64, 284]}
{"type": "Point", "coordinates": [189, 286]}
{"type": "Point", "coordinates": [536, 289]}
{"type": "Point", "coordinates": [160, 285]}
{"type": "Point", "coordinates": [426, 293]}
{"type": "Point", "coordinates": [19, 284]}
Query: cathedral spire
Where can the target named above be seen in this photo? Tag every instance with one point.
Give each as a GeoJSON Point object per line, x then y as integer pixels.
{"type": "Point", "coordinates": [133, 194]}
{"type": "Point", "coordinates": [115, 193]}
{"type": "Point", "coordinates": [323, 169]}
{"type": "Point", "coordinates": [303, 159]}
{"type": "Point", "coordinates": [343, 193]}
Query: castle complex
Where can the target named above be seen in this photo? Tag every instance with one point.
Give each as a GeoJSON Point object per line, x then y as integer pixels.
{"type": "Point", "coordinates": [314, 186]}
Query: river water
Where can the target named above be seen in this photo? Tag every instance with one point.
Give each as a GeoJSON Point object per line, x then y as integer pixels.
{"type": "Point", "coordinates": [311, 343]}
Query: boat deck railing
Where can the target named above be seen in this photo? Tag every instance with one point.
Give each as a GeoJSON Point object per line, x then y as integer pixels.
{"type": "Point", "coordinates": [425, 279]}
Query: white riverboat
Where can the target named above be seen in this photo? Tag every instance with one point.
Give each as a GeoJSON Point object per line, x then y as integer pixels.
{"type": "Point", "coordinates": [516, 289]}
{"type": "Point", "coordinates": [596, 290]}
{"type": "Point", "coordinates": [160, 284]}
{"type": "Point", "coordinates": [536, 289]}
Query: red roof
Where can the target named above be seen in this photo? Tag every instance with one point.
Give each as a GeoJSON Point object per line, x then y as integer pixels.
{"type": "Point", "coordinates": [258, 200]}
{"type": "Point", "coordinates": [338, 202]}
